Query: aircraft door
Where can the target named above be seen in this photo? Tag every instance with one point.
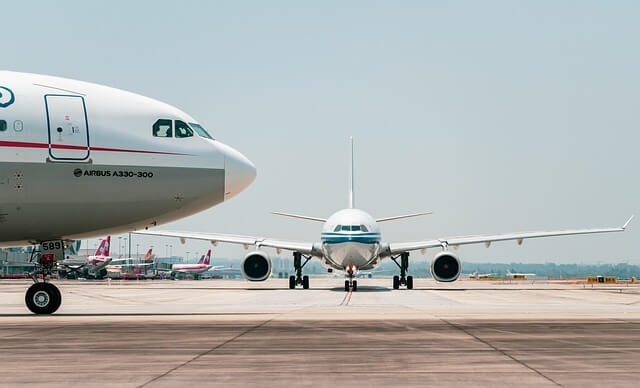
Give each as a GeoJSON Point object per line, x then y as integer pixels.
{"type": "Point", "coordinates": [68, 129]}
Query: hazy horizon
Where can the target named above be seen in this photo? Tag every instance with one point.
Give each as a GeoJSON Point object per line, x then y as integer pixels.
{"type": "Point", "coordinates": [498, 116]}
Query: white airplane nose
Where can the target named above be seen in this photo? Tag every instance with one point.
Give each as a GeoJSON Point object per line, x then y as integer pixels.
{"type": "Point", "coordinates": [239, 173]}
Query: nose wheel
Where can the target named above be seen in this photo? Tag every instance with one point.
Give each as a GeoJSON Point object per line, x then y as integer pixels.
{"type": "Point", "coordinates": [350, 284]}
{"type": "Point", "coordinates": [298, 279]}
{"type": "Point", "coordinates": [403, 279]}
{"type": "Point", "coordinates": [43, 298]}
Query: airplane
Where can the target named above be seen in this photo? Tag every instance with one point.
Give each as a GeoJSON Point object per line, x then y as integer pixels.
{"type": "Point", "coordinates": [80, 160]}
{"type": "Point", "coordinates": [133, 262]}
{"type": "Point", "coordinates": [351, 241]}
{"type": "Point", "coordinates": [476, 275]}
{"type": "Point", "coordinates": [94, 265]}
{"type": "Point", "coordinates": [203, 265]}
{"type": "Point", "coordinates": [520, 275]}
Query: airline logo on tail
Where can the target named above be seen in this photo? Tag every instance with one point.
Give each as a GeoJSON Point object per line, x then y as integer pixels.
{"type": "Point", "coordinates": [147, 257]}
{"type": "Point", "coordinates": [207, 259]}
{"type": "Point", "coordinates": [103, 249]}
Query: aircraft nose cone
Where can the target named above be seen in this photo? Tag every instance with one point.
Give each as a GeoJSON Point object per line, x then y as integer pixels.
{"type": "Point", "coordinates": [239, 173]}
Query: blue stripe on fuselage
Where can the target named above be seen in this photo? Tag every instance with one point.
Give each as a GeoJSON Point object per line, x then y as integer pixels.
{"type": "Point", "coordinates": [364, 238]}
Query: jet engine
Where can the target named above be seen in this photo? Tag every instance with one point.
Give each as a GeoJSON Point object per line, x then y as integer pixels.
{"type": "Point", "coordinates": [445, 267]}
{"type": "Point", "coordinates": [256, 266]}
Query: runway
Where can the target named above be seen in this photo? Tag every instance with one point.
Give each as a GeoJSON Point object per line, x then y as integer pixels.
{"type": "Point", "coordinates": [234, 334]}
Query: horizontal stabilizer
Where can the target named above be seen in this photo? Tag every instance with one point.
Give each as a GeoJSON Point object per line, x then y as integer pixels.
{"type": "Point", "coordinates": [301, 217]}
{"type": "Point", "coordinates": [401, 217]}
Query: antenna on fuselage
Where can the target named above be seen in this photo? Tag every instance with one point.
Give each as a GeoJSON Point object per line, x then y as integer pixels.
{"type": "Point", "coordinates": [352, 200]}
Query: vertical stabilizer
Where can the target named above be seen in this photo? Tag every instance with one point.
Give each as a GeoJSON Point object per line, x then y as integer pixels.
{"type": "Point", "coordinates": [352, 199]}
{"type": "Point", "coordinates": [207, 259]}
{"type": "Point", "coordinates": [103, 249]}
{"type": "Point", "coordinates": [147, 257]}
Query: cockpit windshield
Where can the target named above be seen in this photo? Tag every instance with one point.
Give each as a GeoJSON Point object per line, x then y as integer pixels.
{"type": "Point", "coordinates": [201, 131]}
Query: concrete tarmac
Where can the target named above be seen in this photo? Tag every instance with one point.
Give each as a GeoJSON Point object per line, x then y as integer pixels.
{"type": "Point", "coordinates": [235, 334]}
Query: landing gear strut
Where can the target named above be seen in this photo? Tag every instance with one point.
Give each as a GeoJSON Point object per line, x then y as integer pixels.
{"type": "Point", "coordinates": [43, 297]}
{"type": "Point", "coordinates": [350, 284]}
{"type": "Point", "coordinates": [403, 279]}
{"type": "Point", "coordinates": [298, 279]}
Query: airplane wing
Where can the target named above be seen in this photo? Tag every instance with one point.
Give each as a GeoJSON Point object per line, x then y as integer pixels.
{"type": "Point", "coordinates": [396, 248]}
{"type": "Point", "coordinates": [302, 247]}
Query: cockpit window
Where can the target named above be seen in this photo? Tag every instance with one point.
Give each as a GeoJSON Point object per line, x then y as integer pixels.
{"type": "Point", "coordinates": [3, 125]}
{"type": "Point", "coordinates": [346, 228]}
{"type": "Point", "coordinates": [363, 228]}
{"type": "Point", "coordinates": [355, 228]}
{"type": "Point", "coordinates": [201, 131]}
{"type": "Point", "coordinates": [337, 229]}
{"type": "Point", "coordinates": [182, 129]}
{"type": "Point", "coordinates": [163, 128]}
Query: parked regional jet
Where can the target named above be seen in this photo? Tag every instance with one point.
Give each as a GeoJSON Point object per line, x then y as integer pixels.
{"type": "Point", "coordinates": [79, 160]}
{"type": "Point", "coordinates": [351, 241]}
{"type": "Point", "coordinates": [94, 265]}
{"type": "Point", "coordinates": [203, 265]}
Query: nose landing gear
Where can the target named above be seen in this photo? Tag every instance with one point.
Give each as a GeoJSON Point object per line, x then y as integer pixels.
{"type": "Point", "coordinates": [43, 297]}
{"type": "Point", "coordinates": [350, 284]}
{"type": "Point", "coordinates": [298, 279]}
{"type": "Point", "coordinates": [403, 279]}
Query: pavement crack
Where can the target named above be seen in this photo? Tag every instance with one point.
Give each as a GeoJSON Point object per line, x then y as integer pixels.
{"type": "Point", "coordinates": [467, 332]}
{"type": "Point", "coordinates": [207, 352]}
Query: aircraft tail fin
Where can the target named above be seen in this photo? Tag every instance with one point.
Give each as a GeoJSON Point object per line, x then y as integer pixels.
{"type": "Point", "coordinates": [147, 257]}
{"type": "Point", "coordinates": [201, 259]}
{"type": "Point", "coordinates": [207, 259]}
{"type": "Point", "coordinates": [352, 198]}
{"type": "Point", "coordinates": [103, 249]}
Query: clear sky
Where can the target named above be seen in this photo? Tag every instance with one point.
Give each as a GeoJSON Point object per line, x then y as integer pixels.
{"type": "Point", "coordinates": [497, 115]}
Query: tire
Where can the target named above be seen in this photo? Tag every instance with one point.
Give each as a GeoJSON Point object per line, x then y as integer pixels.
{"type": "Point", "coordinates": [292, 282]}
{"type": "Point", "coordinates": [43, 298]}
{"type": "Point", "coordinates": [396, 282]}
{"type": "Point", "coordinates": [347, 287]}
{"type": "Point", "coordinates": [305, 282]}
{"type": "Point", "coordinates": [354, 287]}
{"type": "Point", "coordinates": [409, 282]}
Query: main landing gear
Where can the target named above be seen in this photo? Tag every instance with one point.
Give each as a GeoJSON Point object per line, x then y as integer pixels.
{"type": "Point", "coordinates": [298, 279]}
{"type": "Point", "coordinates": [403, 279]}
{"type": "Point", "coordinates": [43, 297]}
{"type": "Point", "coordinates": [350, 284]}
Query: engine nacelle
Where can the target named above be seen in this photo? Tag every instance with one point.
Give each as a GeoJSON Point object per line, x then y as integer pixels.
{"type": "Point", "coordinates": [446, 267]}
{"type": "Point", "coordinates": [256, 266]}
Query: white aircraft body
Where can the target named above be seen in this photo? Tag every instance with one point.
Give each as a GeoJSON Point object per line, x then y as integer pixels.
{"type": "Point", "coordinates": [203, 265]}
{"type": "Point", "coordinates": [351, 241]}
{"type": "Point", "coordinates": [80, 160]}
{"type": "Point", "coordinates": [520, 275]}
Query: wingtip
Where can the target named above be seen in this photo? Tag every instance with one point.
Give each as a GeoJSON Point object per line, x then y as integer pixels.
{"type": "Point", "coordinates": [628, 222]}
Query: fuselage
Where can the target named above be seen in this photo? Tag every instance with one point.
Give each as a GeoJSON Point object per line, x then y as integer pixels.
{"type": "Point", "coordinates": [351, 241]}
{"type": "Point", "coordinates": [190, 268]}
{"type": "Point", "coordinates": [79, 160]}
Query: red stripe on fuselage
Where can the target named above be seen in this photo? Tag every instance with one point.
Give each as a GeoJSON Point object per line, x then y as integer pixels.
{"type": "Point", "coordinates": [23, 144]}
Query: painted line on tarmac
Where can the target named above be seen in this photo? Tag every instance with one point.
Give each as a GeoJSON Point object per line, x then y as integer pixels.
{"type": "Point", "coordinates": [347, 298]}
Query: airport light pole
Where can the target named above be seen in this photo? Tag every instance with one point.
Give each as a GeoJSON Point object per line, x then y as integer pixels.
{"type": "Point", "coordinates": [129, 244]}
{"type": "Point", "coordinates": [138, 251]}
